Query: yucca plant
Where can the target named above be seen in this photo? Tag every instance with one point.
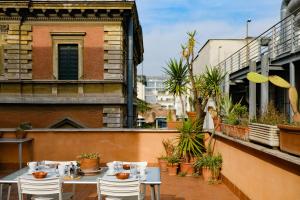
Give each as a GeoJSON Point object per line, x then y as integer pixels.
{"type": "Point", "coordinates": [190, 140]}
{"type": "Point", "coordinates": [213, 79]}
{"type": "Point", "coordinates": [177, 81]}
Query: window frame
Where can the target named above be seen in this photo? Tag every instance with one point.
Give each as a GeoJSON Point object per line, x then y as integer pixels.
{"type": "Point", "coordinates": [67, 38]}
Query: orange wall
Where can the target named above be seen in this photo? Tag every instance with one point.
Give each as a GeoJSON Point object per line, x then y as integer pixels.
{"type": "Point", "coordinates": [112, 145]}
{"type": "Point", "coordinates": [42, 116]}
{"type": "Point", "coordinates": [258, 175]}
{"type": "Point", "coordinates": [93, 60]}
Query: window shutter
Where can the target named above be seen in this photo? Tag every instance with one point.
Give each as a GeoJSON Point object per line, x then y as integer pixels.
{"type": "Point", "coordinates": [68, 62]}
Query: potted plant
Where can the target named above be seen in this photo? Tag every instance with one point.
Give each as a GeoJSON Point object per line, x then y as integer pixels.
{"type": "Point", "coordinates": [169, 149]}
{"type": "Point", "coordinates": [289, 136]}
{"type": "Point", "coordinates": [163, 163]}
{"type": "Point", "coordinates": [89, 162]}
{"type": "Point", "coordinates": [235, 117]}
{"type": "Point", "coordinates": [173, 161]}
{"type": "Point", "coordinates": [211, 166]}
{"type": "Point", "coordinates": [188, 53]}
{"type": "Point", "coordinates": [177, 80]}
{"type": "Point", "coordinates": [190, 145]}
{"type": "Point", "coordinates": [265, 130]}
{"type": "Point", "coordinates": [21, 130]}
{"type": "Point", "coordinates": [171, 120]}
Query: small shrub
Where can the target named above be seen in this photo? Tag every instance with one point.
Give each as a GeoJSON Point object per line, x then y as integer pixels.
{"type": "Point", "coordinates": [182, 174]}
{"type": "Point", "coordinates": [88, 156]}
{"type": "Point", "coordinates": [272, 116]}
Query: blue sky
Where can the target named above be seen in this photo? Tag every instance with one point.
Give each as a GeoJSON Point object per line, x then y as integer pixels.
{"type": "Point", "coordinates": [165, 23]}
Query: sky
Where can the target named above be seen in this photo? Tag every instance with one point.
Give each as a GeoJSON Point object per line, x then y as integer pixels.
{"type": "Point", "coordinates": [166, 22]}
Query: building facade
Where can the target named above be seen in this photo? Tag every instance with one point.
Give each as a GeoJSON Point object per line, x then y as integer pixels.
{"type": "Point", "coordinates": [216, 50]}
{"type": "Point", "coordinates": [274, 52]}
{"type": "Point", "coordinates": [155, 92]}
{"type": "Point", "coordinates": [69, 63]}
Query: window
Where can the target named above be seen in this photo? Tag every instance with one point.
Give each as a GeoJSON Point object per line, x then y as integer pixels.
{"type": "Point", "coordinates": [68, 62]}
{"type": "Point", "coordinates": [68, 55]}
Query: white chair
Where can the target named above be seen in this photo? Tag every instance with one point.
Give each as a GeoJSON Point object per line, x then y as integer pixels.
{"type": "Point", "coordinates": [50, 189]}
{"type": "Point", "coordinates": [119, 190]}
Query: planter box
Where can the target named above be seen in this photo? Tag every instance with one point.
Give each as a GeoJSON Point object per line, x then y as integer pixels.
{"type": "Point", "coordinates": [264, 134]}
{"type": "Point", "coordinates": [290, 139]}
{"type": "Point", "coordinates": [236, 131]}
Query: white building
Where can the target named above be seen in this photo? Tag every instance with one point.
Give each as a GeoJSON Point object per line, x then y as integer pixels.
{"type": "Point", "coordinates": [155, 92]}
{"type": "Point", "coordinates": [140, 85]}
{"type": "Point", "coordinates": [216, 50]}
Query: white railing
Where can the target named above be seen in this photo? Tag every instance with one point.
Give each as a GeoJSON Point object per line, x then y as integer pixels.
{"type": "Point", "coordinates": [281, 39]}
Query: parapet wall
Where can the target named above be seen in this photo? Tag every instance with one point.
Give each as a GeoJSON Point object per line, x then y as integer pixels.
{"type": "Point", "coordinates": [66, 144]}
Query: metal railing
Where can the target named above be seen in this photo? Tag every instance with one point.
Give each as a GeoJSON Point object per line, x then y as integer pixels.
{"type": "Point", "coordinates": [281, 39]}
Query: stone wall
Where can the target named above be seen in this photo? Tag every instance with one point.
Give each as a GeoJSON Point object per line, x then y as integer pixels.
{"type": "Point", "coordinates": [113, 52]}
{"type": "Point", "coordinates": [18, 52]}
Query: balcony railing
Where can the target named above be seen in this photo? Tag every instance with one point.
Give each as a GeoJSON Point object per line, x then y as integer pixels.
{"type": "Point", "coordinates": [281, 39]}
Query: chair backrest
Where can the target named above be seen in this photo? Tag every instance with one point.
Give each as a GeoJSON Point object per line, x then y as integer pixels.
{"type": "Point", "coordinates": [127, 188]}
{"type": "Point", "coordinates": [39, 187]}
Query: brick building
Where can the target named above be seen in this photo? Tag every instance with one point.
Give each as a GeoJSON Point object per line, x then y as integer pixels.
{"type": "Point", "coordinates": [69, 63]}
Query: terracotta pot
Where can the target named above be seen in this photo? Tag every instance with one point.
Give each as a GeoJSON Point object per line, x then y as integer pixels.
{"type": "Point", "coordinates": [289, 139]}
{"type": "Point", "coordinates": [187, 168]}
{"type": "Point", "coordinates": [206, 174]}
{"type": "Point", "coordinates": [89, 164]}
{"type": "Point", "coordinates": [20, 134]}
{"type": "Point", "coordinates": [226, 129]}
{"type": "Point", "coordinates": [217, 124]}
{"type": "Point", "coordinates": [174, 124]}
{"type": "Point", "coordinates": [163, 165]}
{"type": "Point", "coordinates": [172, 169]}
{"type": "Point", "coordinates": [192, 116]}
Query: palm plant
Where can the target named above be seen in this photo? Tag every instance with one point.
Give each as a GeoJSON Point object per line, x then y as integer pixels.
{"type": "Point", "coordinates": [213, 78]}
{"type": "Point", "coordinates": [190, 140]}
{"type": "Point", "coordinates": [177, 79]}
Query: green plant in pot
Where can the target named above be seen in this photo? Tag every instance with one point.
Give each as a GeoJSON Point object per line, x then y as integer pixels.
{"type": "Point", "coordinates": [235, 118]}
{"type": "Point", "coordinates": [21, 130]}
{"type": "Point", "coordinates": [289, 135]}
{"type": "Point", "coordinates": [190, 144]}
{"type": "Point", "coordinates": [211, 166]}
{"type": "Point", "coordinates": [177, 81]}
{"type": "Point", "coordinates": [89, 162]}
{"type": "Point", "coordinates": [169, 149]}
{"type": "Point", "coordinates": [173, 162]}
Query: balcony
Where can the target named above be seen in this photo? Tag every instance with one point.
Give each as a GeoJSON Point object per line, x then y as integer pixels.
{"type": "Point", "coordinates": [249, 171]}
{"type": "Point", "coordinates": [280, 41]}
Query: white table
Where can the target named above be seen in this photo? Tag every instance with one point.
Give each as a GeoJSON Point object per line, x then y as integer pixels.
{"type": "Point", "coordinates": [152, 179]}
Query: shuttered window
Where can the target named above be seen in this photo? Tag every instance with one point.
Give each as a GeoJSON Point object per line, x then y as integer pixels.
{"type": "Point", "coordinates": [68, 61]}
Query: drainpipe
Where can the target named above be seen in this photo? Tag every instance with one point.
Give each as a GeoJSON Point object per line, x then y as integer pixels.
{"type": "Point", "coordinates": [130, 74]}
{"type": "Point", "coordinates": [284, 10]}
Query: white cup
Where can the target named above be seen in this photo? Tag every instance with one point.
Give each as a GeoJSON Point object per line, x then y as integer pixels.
{"type": "Point", "coordinates": [32, 166]}
{"type": "Point", "coordinates": [61, 170]}
{"type": "Point", "coordinates": [110, 166]}
{"type": "Point", "coordinates": [142, 171]}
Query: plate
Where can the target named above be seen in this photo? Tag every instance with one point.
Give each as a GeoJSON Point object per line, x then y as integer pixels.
{"type": "Point", "coordinates": [89, 173]}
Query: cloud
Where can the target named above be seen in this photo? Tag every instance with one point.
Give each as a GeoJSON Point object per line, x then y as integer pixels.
{"type": "Point", "coordinates": [166, 22]}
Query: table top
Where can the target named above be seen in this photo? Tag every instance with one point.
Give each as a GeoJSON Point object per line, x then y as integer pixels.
{"type": "Point", "coordinates": [14, 140]}
{"type": "Point", "coordinates": [152, 177]}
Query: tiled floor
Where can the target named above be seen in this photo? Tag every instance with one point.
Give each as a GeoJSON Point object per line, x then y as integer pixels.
{"type": "Point", "coordinates": [172, 188]}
